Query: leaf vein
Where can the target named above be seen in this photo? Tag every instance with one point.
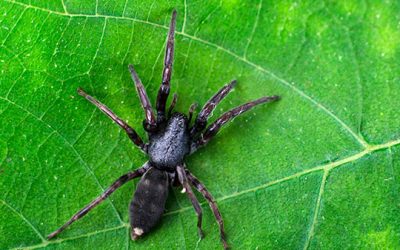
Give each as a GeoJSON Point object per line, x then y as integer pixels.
{"type": "Point", "coordinates": [357, 71]}
{"type": "Point", "coordinates": [98, 46]}
{"type": "Point", "coordinates": [64, 6]}
{"type": "Point", "coordinates": [88, 169]}
{"type": "Point", "coordinates": [23, 218]}
{"type": "Point", "coordinates": [123, 11]}
{"type": "Point", "coordinates": [316, 210]}
{"type": "Point", "coordinates": [15, 25]}
{"type": "Point", "coordinates": [59, 40]}
{"type": "Point", "coordinates": [184, 16]}
{"type": "Point", "coordinates": [253, 30]}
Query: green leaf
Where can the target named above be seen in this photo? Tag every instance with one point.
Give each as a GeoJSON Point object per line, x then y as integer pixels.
{"type": "Point", "coordinates": [319, 169]}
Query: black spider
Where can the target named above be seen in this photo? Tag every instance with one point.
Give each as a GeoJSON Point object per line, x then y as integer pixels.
{"type": "Point", "coordinates": [171, 138]}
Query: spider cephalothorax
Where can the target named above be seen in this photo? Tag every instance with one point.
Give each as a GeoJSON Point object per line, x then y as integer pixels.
{"type": "Point", "coordinates": [171, 138]}
{"type": "Point", "coordinates": [170, 143]}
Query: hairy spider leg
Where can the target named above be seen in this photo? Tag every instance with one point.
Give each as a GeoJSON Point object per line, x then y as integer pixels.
{"type": "Point", "coordinates": [192, 108]}
{"type": "Point", "coordinates": [211, 202]}
{"type": "Point", "coordinates": [172, 105]}
{"type": "Point", "coordinates": [118, 183]}
{"type": "Point", "coordinates": [129, 130]}
{"type": "Point", "coordinates": [206, 111]}
{"type": "Point", "coordinates": [163, 92]}
{"type": "Point", "coordinates": [196, 205]}
{"type": "Point", "coordinates": [213, 129]}
{"type": "Point", "coordinates": [150, 121]}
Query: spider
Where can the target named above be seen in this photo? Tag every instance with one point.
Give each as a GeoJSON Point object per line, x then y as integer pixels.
{"type": "Point", "coordinates": [171, 139]}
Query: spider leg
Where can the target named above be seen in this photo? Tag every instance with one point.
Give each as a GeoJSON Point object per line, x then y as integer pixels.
{"type": "Point", "coordinates": [183, 180]}
{"type": "Point", "coordinates": [129, 130]}
{"type": "Point", "coordinates": [191, 111]}
{"type": "Point", "coordinates": [163, 92]}
{"type": "Point", "coordinates": [206, 111]}
{"type": "Point", "coordinates": [213, 205]}
{"type": "Point", "coordinates": [118, 183]}
{"type": "Point", "coordinates": [150, 122]}
{"type": "Point", "coordinates": [172, 106]}
{"type": "Point", "coordinates": [213, 129]}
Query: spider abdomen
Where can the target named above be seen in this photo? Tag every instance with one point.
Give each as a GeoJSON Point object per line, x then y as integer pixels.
{"type": "Point", "coordinates": [168, 147]}
{"type": "Point", "coordinates": [148, 202]}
